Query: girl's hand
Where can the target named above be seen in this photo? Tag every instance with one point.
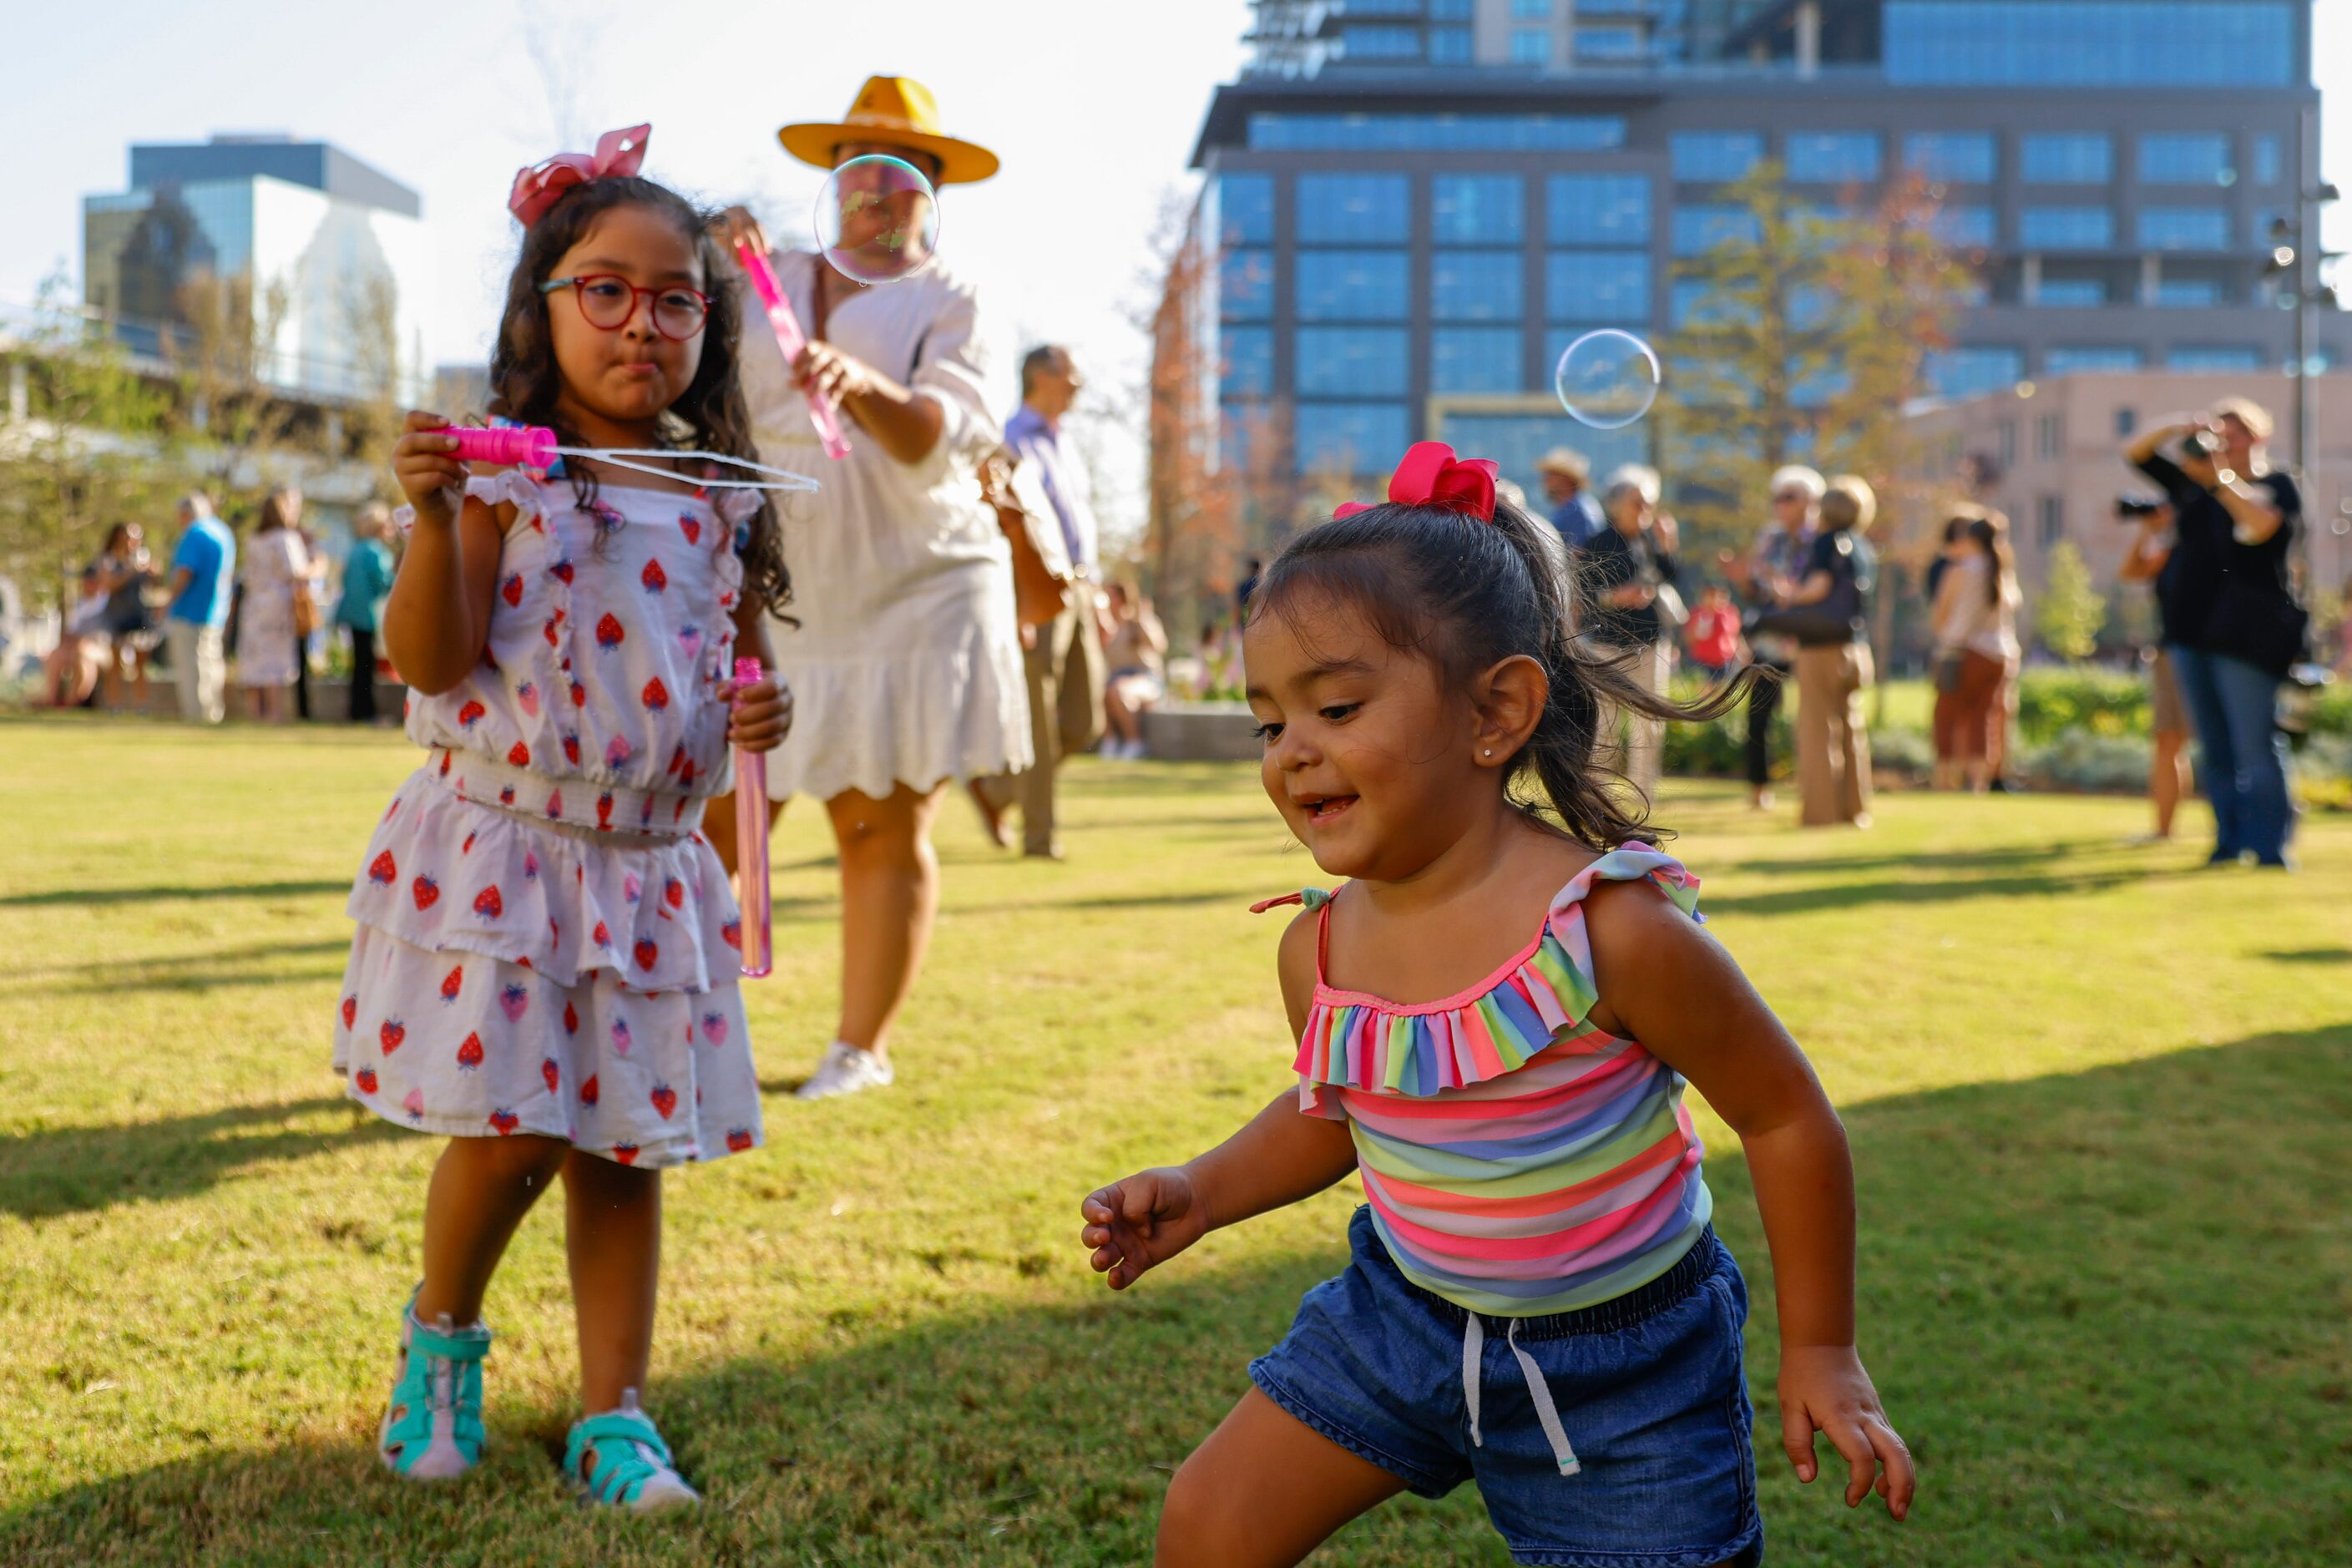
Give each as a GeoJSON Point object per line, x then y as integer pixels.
{"type": "Point", "coordinates": [736, 226]}
{"type": "Point", "coordinates": [763, 715]}
{"type": "Point", "coordinates": [433, 480]}
{"type": "Point", "coordinates": [1141, 1221]}
{"type": "Point", "coordinates": [1824, 1387]}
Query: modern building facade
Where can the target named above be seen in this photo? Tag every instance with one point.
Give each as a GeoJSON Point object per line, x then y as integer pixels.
{"type": "Point", "coordinates": [337, 257]}
{"type": "Point", "coordinates": [1413, 205]}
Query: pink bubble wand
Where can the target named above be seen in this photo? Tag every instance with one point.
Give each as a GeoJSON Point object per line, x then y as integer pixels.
{"type": "Point", "coordinates": [534, 447]}
{"type": "Point", "coordinates": [752, 841]}
{"type": "Point", "coordinates": [791, 340]}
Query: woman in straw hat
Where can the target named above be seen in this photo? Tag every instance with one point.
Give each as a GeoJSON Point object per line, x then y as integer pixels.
{"type": "Point", "coordinates": [900, 645]}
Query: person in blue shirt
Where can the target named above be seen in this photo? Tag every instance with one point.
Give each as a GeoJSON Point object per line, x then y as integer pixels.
{"type": "Point", "coordinates": [202, 567]}
{"type": "Point", "coordinates": [367, 579]}
{"type": "Point", "coordinates": [1567, 482]}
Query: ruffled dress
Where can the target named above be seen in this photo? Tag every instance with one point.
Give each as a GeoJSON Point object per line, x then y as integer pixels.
{"type": "Point", "coordinates": [546, 943]}
{"type": "Point", "coordinates": [1517, 1160]}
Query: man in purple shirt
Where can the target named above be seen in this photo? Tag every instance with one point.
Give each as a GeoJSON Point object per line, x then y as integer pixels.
{"type": "Point", "coordinates": [1065, 662]}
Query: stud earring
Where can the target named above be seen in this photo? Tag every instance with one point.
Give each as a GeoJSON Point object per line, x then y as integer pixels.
{"type": "Point", "coordinates": [1488, 753]}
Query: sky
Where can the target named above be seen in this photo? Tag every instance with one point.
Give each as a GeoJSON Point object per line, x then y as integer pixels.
{"type": "Point", "coordinates": [1093, 104]}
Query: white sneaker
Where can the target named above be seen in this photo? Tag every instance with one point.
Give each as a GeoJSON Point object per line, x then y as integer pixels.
{"type": "Point", "coordinates": [845, 1069]}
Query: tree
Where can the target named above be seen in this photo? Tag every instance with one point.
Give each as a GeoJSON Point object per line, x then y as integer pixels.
{"type": "Point", "coordinates": [225, 361]}
{"type": "Point", "coordinates": [88, 454]}
{"type": "Point", "coordinates": [2071, 610]}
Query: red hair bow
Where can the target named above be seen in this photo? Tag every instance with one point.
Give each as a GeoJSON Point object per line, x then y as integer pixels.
{"type": "Point", "coordinates": [618, 153]}
{"type": "Point", "coordinates": [1432, 476]}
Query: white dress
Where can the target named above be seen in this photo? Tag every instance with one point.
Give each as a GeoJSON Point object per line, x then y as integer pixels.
{"type": "Point", "coordinates": [547, 943]}
{"type": "Point", "coordinates": [905, 665]}
{"type": "Point", "coordinates": [276, 567]}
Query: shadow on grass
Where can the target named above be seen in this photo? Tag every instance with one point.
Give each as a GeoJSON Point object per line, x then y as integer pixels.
{"type": "Point", "coordinates": [1848, 895]}
{"type": "Point", "coordinates": [2311, 955]}
{"type": "Point", "coordinates": [73, 1170]}
{"type": "Point", "coordinates": [69, 896]}
{"type": "Point", "coordinates": [1924, 860]}
{"type": "Point", "coordinates": [2106, 1308]}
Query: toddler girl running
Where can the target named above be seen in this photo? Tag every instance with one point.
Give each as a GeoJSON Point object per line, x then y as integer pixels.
{"type": "Point", "coordinates": [1496, 1015]}
{"type": "Point", "coordinates": [545, 968]}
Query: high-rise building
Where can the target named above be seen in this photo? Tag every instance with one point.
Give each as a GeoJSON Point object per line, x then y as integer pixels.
{"type": "Point", "coordinates": [336, 257]}
{"type": "Point", "coordinates": [1414, 204]}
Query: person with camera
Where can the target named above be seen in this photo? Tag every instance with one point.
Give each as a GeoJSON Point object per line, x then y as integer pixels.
{"type": "Point", "coordinates": [2230, 622]}
{"type": "Point", "coordinates": [2168, 777]}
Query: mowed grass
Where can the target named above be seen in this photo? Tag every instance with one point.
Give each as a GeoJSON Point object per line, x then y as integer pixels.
{"type": "Point", "coordinates": [2099, 1101]}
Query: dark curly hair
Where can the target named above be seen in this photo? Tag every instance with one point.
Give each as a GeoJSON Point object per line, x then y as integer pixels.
{"type": "Point", "coordinates": [711, 415]}
{"type": "Point", "coordinates": [1466, 596]}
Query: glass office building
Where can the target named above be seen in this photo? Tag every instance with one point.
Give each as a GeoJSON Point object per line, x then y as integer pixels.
{"type": "Point", "coordinates": [1414, 205]}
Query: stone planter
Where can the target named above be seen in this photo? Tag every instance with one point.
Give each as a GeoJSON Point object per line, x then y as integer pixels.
{"type": "Point", "coordinates": [1202, 732]}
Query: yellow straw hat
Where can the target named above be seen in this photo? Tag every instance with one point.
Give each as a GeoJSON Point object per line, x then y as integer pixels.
{"type": "Point", "coordinates": [898, 111]}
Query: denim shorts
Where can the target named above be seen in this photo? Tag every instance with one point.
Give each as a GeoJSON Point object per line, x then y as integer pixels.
{"type": "Point", "coordinates": [1637, 1449]}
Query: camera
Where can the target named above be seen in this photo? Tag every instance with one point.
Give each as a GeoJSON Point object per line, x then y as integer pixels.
{"type": "Point", "coordinates": [2201, 444]}
{"type": "Point", "coordinates": [2131, 509]}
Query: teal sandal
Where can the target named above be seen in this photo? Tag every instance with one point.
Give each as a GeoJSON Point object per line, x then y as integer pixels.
{"type": "Point", "coordinates": [618, 1460]}
{"type": "Point", "coordinates": [433, 1426]}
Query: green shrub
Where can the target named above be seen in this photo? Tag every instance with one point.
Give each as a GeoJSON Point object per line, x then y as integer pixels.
{"type": "Point", "coordinates": [2055, 702]}
{"type": "Point", "coordinates": [2082, 759]}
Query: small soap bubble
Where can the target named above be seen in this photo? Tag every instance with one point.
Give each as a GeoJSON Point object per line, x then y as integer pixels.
{"type": "Point", "coordinates": [877, 219]}
{"type": "Point", "coordinates": [1607, 379]}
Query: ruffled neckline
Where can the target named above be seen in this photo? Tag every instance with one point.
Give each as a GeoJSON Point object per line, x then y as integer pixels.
{"type": "Point", "coordinates": [1356, 1040]}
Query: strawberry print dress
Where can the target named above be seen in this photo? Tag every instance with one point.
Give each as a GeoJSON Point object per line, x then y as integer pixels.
{"type": "Point", "coordinates": [546, 943]}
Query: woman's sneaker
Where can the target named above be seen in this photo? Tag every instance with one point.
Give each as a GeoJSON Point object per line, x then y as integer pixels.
{"type": "Point", "coordinates": [845, 1069]}
{"type": "Point", "coordinates": [619, 1459]}
{"type": "Point", "coordinates": [433, 1426]}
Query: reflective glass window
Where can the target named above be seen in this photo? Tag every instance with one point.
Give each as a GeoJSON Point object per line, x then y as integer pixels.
{"type": "Point", "coordinates": [2184, 158]}
{"type": "Point", "coordinates": [1347, 361]}
{"type": "Point", "coordinates": [1474, 359]}
{"type": "Point", "coordinates": [2184, 229]}
{"type": "Point", "coordinates": [2269, 163]}
{"type": "Point", "coordinates": [2187, 293]}
{"type": "Point", "coordinates": [2213, 356]}
{"type": "Point", "coordinates": [2105, 356]}
{"type": "Point", "coordinates": [1603, 287]}
{"type": "Point", "coordinates": [2066, 228]}
{"type": "Point", "coordinates": [2089, 43]}
{"type": "Point", "coordinates": [1973, 371]}
{"type": "Point", "coordinates": [1967, 226]}
{"type": "Point", "coordinates": [1245, 367]}
{"type": "Point", "coordinates": [1597, 209]}
{"type": "Point", "coordinates": [1351, 285]}
{"type": "Point", "coordinates": [1380, 43]}
{"type": "Point", "coordinates": [1702, 156]}
{"type": "Point", "coordinates": [1478, 209]}
{"type": "Point", "coordinates": [1478, 285]}
{"type": "Point", "coordinates": [1246, 208]}
{"type": "Point", "coordinates": [2067, 158]}
{"type": "Point", "coordinates": [1350, 209]}
{"type": "Point", "coordinates": [1349, 437]}
{"type": "Point", "coordinates": [1437, 132]}
{"type": "Point", "coordinates": [2071, 291]}
{"type": "Point", "coordinates": [1965, 157]}
{"type": "Point", "coordinates": [1245, 285]}
{"type": "Point", "coordinates": [1450, 45]}
{"type": "Point", "coordinates": [1700, 228]}
{"type": "Point", "coordinates": [1833, 157]}
{"type": "Point", "coordinates": [1606, 43]}
{"type": "Point", "coordinates": [1531, 46]}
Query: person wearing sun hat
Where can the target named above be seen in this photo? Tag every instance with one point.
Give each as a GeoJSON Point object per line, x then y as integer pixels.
{"type": "Point", "coordinates": [901, 644]}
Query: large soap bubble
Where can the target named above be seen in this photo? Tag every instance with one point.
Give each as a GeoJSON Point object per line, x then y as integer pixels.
{"type": "Point", "coordinates": [877, 219]}
{"type": "Point", "coordinates": [1607, 379]}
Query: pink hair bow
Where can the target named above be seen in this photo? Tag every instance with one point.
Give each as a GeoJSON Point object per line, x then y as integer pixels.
{"type": "Point", "coordinates": [618, 153]}
{"type": "Point", "coordinates": [1432, 476]}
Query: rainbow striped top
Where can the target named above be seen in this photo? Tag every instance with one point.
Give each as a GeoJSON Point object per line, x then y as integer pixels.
{"type": "Point", "coordinates": [1518, 1160]}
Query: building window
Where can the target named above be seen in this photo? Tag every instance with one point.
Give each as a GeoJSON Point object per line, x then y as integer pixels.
{"type": "Point", "coordinates": [1601, 287]}
{"type": "Point", "coordinates": [1245, 285]}
{"type": "Point", "coordinates": [1437, 132]}
{"type": "Point", "coordinates": [1833, 157]}
{"type": "Point", "coordinates": [2269, 168]}
{"type": "Point", "coordinates": [1349, 437]}
{"type": "Point", "coordinates": [2066, 228]}
{"type": "Point", "coordinates": [1351, 285]}
{"type": "Point", "coordinates": [1449, 45]}
{"type": "Point", "coordinates": [2184, 158]}
{"type": "Point", "coordinates": [1597, 209]}
{"type": "Point", "coordinates": [1959, 373]}
{"type": "Point", "coordinates": [1609, 45]}
{"type": "Point", "coordinates": [2089, 43]}
{"type": "Point", "coordinates": [1708, 156]}
{"type": "Point", "coordinates": [2214, 356]}
{"type": "Point", "coordinates": [2083, 360]}
{"type": "Point", "coordinates": [1474, 359]}
{"type": "Point", "coordinates": [1693, 303]}
{"type": "Point", "coordinates": [1478, 285]}
{"type": "Point", "coordinates": [1380, 43]}
{"type": "Point", "coordinates": [2184, 229]}
{"type": "Point", "coordinates": [2187, 293]}
{"type": "Point", "coordinates": [2004, 445]}
{"type": "Point", "coordinates": [2071, 291]}
{"type": "Point", "coordinates": [1246, 208]}
{"type": "Point", "coordinates": [1962, 157]}
{"type": "Point", "coordinates": [1350, 362]}
{"type": "Point", "coordinates": [1699, 229]}
{"type": "Point", "coordinates": [1352, 209]}
{"type": "Point", "coordinates": [1382, 7]}
{"type": "Point", "coordinates": [1967, 227]}
{"type": "Point", "coordinates": [1531, 10]}
{"type": "Point", "coordinates": [1531, 46]}
{"type": "Point", "coordinates": [2050, 520]}
{"type": "Point", "coordinates": [2126, 421]}
{"type": "Point", "coordinates": [2073, 159]}
{"type": "Point", "coordinates": [1478, 209]}
{"type": "Point", "coordinates": [1246, 367]}
{"type": "Point", "coordinates": [1451, 10]}
{"type": "Point", "coordinates": [2050, 435]}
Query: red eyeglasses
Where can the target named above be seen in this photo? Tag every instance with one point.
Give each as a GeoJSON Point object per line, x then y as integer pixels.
{"type": "Point", "coordinates": [606, 303]}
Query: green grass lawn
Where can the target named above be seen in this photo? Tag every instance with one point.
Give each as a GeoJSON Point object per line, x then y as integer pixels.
{"type": "Point", "coordinates": [2099, 1100]}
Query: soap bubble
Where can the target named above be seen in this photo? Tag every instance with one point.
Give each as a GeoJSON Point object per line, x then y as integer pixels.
{"type": "Point", "coordinates": [877, 219]}
{"type": "Point", "coordinates": [1607, 379]}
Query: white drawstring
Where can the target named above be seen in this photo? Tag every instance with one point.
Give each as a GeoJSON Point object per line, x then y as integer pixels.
{"type": "Point", "coordinates": [1473, 1351]}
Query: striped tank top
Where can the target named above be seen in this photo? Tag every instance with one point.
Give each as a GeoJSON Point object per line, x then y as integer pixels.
{"type": "Point", "coordinates": [1517, 1160]}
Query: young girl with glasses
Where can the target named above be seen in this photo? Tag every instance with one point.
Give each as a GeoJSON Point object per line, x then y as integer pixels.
{"type": "Point", "coordinates": [545, 969]}
{"type": "Point", "coordinates": [1537, 1302]}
